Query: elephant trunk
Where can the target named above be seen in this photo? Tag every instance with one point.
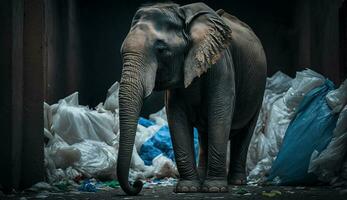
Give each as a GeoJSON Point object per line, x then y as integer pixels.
{"type": "Point", "coordinates": [131, 95]}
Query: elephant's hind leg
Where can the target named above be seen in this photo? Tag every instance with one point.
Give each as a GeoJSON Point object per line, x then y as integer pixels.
{"type": "Point", "coordinates": [202, 166]}
{"type": "Point", "coordinates": [239, 144]}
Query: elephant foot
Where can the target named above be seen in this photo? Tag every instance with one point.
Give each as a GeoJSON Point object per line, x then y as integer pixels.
{"type": "Point", "coordinates": [187, 186]}
{"type": "Point", "coordinates": [214, 186]}
{"type": "Point", "coordinates": [237, 179]}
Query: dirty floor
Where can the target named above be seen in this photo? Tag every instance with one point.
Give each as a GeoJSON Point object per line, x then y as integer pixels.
{"type": "Point", "coordinates": [161, 192]}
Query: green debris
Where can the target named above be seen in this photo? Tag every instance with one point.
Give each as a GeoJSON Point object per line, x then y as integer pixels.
{"type": "Point", "coordinates": [272, 193]}
{"type": "Point", "coordinates": [63, 185]}
{"type": "Point", "coordinates": [112, 184]}
{"type": "Point", "coordinates": [241, 191]}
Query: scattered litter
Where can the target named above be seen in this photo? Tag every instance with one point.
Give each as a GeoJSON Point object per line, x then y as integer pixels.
{"type": "Point", "coordinates": [160, 182]}
{"type": "Point", "coordinates": [112, 184]}
{"type": "Point", "coordinates": [241, 191]}
{"type": "Point", "coordinates": [42, 195]}
{"type": "Point", "coordinates": [300, 187]}
{"type": "Point", "coordinates": [41, 186]}
{"type": "Point", "coordinates": [88, 186]}
{"type": "Point", "coordinates": [272, 193]}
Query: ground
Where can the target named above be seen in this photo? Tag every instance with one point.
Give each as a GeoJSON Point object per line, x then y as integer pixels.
{"type": "Point", "coordinates": [161, 192]}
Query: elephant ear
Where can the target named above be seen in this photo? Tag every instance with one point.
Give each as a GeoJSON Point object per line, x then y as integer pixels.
{"type": "Point", "coordinates": [209, 36]}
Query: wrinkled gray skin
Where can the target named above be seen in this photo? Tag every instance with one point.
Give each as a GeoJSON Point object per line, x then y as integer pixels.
{"type": "Point", "coordinates": [213, 70]}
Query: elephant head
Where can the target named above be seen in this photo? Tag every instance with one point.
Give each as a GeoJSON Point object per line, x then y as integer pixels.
{"type": "Point", "coordinates": [166, 47]}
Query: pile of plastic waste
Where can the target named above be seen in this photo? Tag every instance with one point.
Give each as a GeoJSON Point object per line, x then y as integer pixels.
{"type": "Point", "coordinates": [305, 114]}
{"type": "Point", "coordinates": [82, 143]}
{"type": "Point", "coordinates": [301, 132]}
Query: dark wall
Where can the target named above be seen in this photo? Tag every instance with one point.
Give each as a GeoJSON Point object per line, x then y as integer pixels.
{"type": "Point", "coordinates": [21, 84]}
{"type": "Point", "coordinates": [317, 27]}
{"type": "Point", "coordinates": [343, 40]}
{"type": "Point", "coordinates": [85, 37]}
{"type": "Point", "coordinates": [99, 27]}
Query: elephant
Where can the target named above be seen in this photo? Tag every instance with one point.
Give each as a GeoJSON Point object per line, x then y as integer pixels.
{"type": "Point", "coordinates": [213, 69]}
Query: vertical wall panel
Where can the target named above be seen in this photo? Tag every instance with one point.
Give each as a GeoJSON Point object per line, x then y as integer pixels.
{"type": "Point", "coordinates": [21, 83]}
{"type": "Point", "coordinates": [32, 140]}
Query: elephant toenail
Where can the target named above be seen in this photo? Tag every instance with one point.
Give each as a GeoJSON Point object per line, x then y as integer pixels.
{"type": "Point", "coordinates": [184, 189]}
{"type": "Point", "coordinates": [193, 189]}
{"type": "Point", "coordinates": [223, 189]}
{"type": "Point", "coordinates": [213, 189]}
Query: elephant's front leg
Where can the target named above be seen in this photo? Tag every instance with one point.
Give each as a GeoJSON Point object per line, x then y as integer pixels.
{"type": "Point", "coordinates": [220, 111]}
{"type": "Point", "coordinates": [181, 131]}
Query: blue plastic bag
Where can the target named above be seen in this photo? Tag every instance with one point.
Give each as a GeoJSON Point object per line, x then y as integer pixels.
{"type": "Point", "coordinates": [160, 143]}
{"type": "Point", "coordinates": [145, 122]}
{"type": "Point", "coordinates": [312, 129]}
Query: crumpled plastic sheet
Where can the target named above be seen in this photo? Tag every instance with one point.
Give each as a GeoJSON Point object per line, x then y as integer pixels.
{"type": "Point", "coordinates": [311, 130]}
{"type": "Point", "coordinates": [83, 142]}
{"type": "Point", "coordinates": [328, 164]}
{"type": "Point", "coordinates": [260, 145]}
{"type": "Point", "coordinates": [281, 99]}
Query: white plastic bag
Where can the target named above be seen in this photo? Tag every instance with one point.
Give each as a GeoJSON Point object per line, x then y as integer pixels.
{"type": "Point", "coordinates": [276, 114]}
{"type": "Point", "coordinates": [75, 123]}
{"type": "Point", "coordinates": [304, 82]}
{"type": "Point", "coordinates": [111, 102]}
{"type": "Point", "coordinates": [260, 145]}
{"type": "Point", "coordinates": [97, 159]}
{"type": "Point", "coordinates": [143, 134]}
{"type": "Point", "coordinates": [164, 167]}
{"type": "Point", "coordinates": [159, 117]}
{"type": "Point", "coordinates": [337, 99]}
{"type": "Point", "coordinates": [47, 116]}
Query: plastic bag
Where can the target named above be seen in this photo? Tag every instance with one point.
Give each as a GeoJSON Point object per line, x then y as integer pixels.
{"type": "Point", "coordinates": [277, 112]}
{"type": "Point", "coordinates": [145, 130]}
{"type": "Point", "coordinates": [164, 167]}
{"type": "Point", "coordinates": [304, 82]}
{"type": "Point", "coordinates": [337, 99]}
{"type": "Point", "coordinates": [159, 118]}
{"type": "Point", "coordinates": [276, 86]}
{"type": "Point", "coordinates": [97, 159]}
{"type": "Point", "coordinates": [47, 116]}
{"type": "Point", "coordinates": [75, 123]}
{"type": "Point", "coordinates": [160, 143]}
{"type": "Point", "coordinates": [311, 130]}
{"type": "Point", "coordinates": [328, 163]}
{"type": "Point", "coordinates": [111, 102]}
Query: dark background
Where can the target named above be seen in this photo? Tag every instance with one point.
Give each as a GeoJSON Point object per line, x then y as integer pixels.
{"type": "Point", "coordinates": [85, 36]}
{"type": "Point", "coordinates": [51, 48]}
